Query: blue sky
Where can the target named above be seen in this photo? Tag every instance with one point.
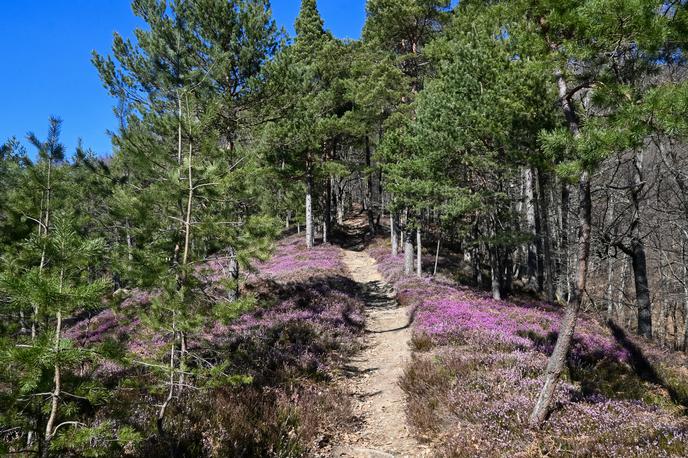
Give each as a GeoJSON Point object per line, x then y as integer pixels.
{"type": "Point", "coordinates": [45, 47]}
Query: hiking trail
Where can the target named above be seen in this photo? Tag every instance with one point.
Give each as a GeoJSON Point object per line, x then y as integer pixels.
{"type": "Point", "coordinates": [373, 375]}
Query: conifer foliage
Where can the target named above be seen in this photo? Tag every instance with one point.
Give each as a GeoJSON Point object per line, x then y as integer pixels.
{"type": "Point", "coordinates": [538, 146]}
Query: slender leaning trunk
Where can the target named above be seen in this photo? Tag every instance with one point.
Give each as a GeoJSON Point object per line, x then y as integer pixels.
{"type": "Point", "coordinates": [557, 360]}
{"type": "Point", "coordinates": [437, 256]}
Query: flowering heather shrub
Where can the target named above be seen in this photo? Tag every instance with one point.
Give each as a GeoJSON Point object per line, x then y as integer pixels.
{"type": "Point", "coordinates": [478, 367]}
{"type": "Point", "coordinates": [306, 317]}
{"type": "Point", "coordinates": [258, 421]}
{"type": "Point", "coordinates": [293, 261]}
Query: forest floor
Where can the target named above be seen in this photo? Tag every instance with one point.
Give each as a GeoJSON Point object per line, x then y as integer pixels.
{"type": "Point", "coordinates": [372, 377]}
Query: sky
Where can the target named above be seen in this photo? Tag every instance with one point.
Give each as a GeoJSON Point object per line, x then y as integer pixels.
{"type": "Point", "coordinates": [45, 50]}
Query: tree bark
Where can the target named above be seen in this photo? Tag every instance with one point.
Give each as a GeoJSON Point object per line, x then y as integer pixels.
{"type": "Point", "coordinates": [496, 274]}
{"type": "Point", "coordinates": [408, 249]}
{"type": "Point", "coordinates": [310, 235]}
{"type": "Point", "coordinates": [419, 253]}
{"type": "Point", "coordinates": [642, 287]}
{"type": "Point", "coordinates": [563, 270]}
{"type": "Point", "coordinates": [557, 360]}
{"type": "Point", "coordinates": [543, 196]}
{"type": "Point", "coordinates": [532, 255]}
{"type": "Point", "coordinates": [57, 380]}
{"type": "Point", "coordinates": [327, 217]}
{"type": "Point", "coordinates": [684, 257]}
{"type": "Point", "coordinates": [369, 190]}
{"type": "Point", "coordinates": [642, 290]}
{"type": "Point", "coordinates": [393, 229]}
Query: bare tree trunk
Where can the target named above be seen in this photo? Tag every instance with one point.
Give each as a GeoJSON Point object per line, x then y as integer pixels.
{"type": "Point", "coordinates": [609, 296]}
{"type": "Point", "coordinates": [531, 261]}
{"type": "Point", "coordinates": [437, 256]}
{"type": "Point", "coordinates": [684, 258]}
{"type": "Point", "coordinates": [327, 219]}
{"type": "Point", "coordinates": [496, 274]}
{"type": "Point", "coordinates": [610, 269]}
{"type": "Point", "coordinates": [546, 242]}
{"type": "Point", "coordinates": [621, 297]}
{"type": "Point", "coordinates": [419, 253]}
{"type": "Point", "coordinates": [160, 420]}
{"type": "Point", "coordinates": [636, 251]}
{"type": "Point", "coordinates": [557, 360]}
{"type": "Point", "coordinates": [340, 205]}
{"type": "Point", "coordinates": [57, 380]}
{"type": "Point", "coordinates": [369, 191]}
{"type": "Point", "coordinates": [408, 250]}
{"type": "Point", "coordinates": [394, 234]}
{"type": "Point", "coordinates": [564, 284]}
{"type": "Point", "coordinates": [310, 235]}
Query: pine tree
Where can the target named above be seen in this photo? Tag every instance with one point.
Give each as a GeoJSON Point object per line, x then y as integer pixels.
{"type": "Point", "coordinates": [402, 28]}
{"type": "Point", "coordinates": [310, 74]}
{"type": "Point", "coordinates": [52, 275]}
{"type": "Point", "coordinates": [192, 84]}
{"type": "Point", "coordinates": [588, 51]}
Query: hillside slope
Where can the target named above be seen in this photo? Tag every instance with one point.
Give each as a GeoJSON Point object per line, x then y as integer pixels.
{"type": "Point", "coordinates": [477, 367]}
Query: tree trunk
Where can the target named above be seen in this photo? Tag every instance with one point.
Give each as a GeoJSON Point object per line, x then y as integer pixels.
{"type": "Point", "coordinates": [233, 294]}
{"type": "Point", "coordinates": [437, 256]}
{"type": "Point", "coordinates": [685, 297]}
{"type": "Point", "coordinates": [532, 255]}
{"type": "Point", "coordinates": [57, 391]}
{"type": "Point", "coordinates": [340, 204]}
{"type": "Point", "coordinates": [563, 270]}
{"type": "Point", "coordinates": [327, 217]}
{"type": "Point", "coordinates": [57, 379]}
{"type": "Point", "coordinates": [546, 242]}
{"type": "Point", "coordinates": [496, 274]}
{"type": "Point", "coordinates": [419, 253]}
{"type": "Point", "coordinates": [408, 250]}
{"type": "Point", "coordinates": [642, 287]}
{"type": "Point", "coordinates": [393, 230]}
{"type": "Point", "coordinates": [642, 290]}
{"type": "Point", "coordinates": [609, 297]}
{"type": "Point", "coordinates": [557, 360]}
{"type": "Point", "coordinates": [369, 191]}
{"type": "Point", "coordinates": [610, 288]}
{"type": "Point", "coordinates": [310, 235]}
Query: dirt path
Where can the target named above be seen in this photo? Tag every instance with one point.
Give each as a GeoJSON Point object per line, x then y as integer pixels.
{"type": "Point", "coordinates": [374, 374]}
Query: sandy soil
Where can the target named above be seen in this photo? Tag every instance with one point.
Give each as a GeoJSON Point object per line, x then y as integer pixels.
{"type": "Point", "coordinates": [372, 376]}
